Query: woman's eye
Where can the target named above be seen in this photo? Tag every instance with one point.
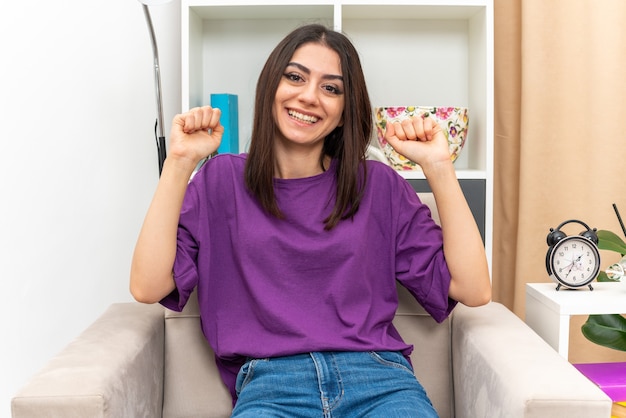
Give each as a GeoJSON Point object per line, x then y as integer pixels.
{"type": "Point", "coordinates": [293, 77]}
{"type": "Point", "coordinates": [333, 89]}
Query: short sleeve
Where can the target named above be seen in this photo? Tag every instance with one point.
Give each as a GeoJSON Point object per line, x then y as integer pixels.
{"type": "Point", "coordinates": [420, 263]}
{"type": "Point", "coordinates": [185, 268]}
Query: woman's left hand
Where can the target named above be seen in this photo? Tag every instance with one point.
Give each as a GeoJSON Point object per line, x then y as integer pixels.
{"type": "Point", "coordinates": [420, 139]}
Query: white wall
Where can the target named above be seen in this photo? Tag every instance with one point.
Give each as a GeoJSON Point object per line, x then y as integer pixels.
{"type": "Point", "coordinates": [77, 165]}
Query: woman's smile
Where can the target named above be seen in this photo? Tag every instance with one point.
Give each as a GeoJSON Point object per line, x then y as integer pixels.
{"type": "Point", "coordinates": [301, 117]}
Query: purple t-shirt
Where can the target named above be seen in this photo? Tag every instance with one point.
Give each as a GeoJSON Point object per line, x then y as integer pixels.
{"type": "Point", "coordinates": [272, 287]}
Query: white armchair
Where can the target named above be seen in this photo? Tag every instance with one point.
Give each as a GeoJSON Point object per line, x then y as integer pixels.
{"type": "Point", "coordinates": [145, 361]}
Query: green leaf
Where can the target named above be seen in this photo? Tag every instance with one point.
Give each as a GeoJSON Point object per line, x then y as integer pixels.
{"type": "Point", "coordinates": [608, 240]}
{"type": "Point", "coordinates": [606, 330]}
{"type": "Point", "coordinates": [602, 277]}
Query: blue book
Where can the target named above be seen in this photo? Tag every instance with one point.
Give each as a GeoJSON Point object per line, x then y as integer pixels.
{"type": "Point", "coordinates": [228, 104]}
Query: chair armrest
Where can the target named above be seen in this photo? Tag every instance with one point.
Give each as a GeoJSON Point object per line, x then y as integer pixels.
{"type": "Point", "coordinates": [113, 369]}
{"type": "Point", "coordinates": [502, 368]}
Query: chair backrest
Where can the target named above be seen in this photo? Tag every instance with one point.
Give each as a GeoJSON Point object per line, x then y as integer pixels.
{"type": "Point", "coordinates": [193, 386]}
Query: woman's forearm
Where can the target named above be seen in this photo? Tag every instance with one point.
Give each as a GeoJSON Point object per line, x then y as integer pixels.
{"type": "Point", "coordinates": [151, 269]}
{"type": "Point", "coordinates": [462, 243]}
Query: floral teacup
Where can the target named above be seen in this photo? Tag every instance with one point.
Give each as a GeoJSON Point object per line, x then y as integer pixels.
{"type": "Point", "coordinates": [453, 120]}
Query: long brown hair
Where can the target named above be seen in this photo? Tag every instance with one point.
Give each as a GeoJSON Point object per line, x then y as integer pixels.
{"type": "Point", "coordinates": [347, 144]}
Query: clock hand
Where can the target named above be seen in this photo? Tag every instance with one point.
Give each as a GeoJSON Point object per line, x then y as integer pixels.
{"type": "Point", "coordinates": [572, 264]}
{"type": "Point", "coordinates": [575, 262]}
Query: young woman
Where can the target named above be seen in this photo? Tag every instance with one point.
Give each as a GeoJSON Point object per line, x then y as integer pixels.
{"type": "Point", "coordinates": [295, 247]}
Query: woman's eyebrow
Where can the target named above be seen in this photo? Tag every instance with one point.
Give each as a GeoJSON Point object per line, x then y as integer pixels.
{"type": "Point", "coordinates": [307, 71]}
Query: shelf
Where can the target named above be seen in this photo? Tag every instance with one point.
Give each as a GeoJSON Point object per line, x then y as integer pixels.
{"type": "Point", "coordinates": [460, 174]}
{"type": "Point", "coordinates": [255, 11]}
{"type": "Point", "coordinates": [429, 10]}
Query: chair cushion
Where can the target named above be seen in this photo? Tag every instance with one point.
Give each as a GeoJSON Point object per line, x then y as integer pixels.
{"type": "Point", "coordinates": [193, 387]}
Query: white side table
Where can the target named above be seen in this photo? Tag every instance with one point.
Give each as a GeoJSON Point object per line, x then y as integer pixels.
{"type": "Point", "coordinates": [548, 311]}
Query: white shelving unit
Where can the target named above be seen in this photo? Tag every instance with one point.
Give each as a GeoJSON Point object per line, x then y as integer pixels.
{"type": "Point", "coordinates": [420, 52]}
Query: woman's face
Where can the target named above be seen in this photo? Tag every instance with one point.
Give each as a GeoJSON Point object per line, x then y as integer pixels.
{"type": "Point", "coordinates": [309, 101]}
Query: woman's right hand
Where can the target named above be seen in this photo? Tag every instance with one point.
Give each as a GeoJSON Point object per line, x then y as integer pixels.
{"type": "Point", "coordinates": [196, 134]}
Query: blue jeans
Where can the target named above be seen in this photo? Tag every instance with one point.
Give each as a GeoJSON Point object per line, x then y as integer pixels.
{"type": "Point", "coordinates": [331, 385]}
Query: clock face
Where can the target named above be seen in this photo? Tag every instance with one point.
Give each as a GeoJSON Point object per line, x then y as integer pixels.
{"type": "Point", "coordinates": [574, 261]}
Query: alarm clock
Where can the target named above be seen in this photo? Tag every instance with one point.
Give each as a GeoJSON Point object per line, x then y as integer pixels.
{"type": "Point", "coordinates": [573, 261]}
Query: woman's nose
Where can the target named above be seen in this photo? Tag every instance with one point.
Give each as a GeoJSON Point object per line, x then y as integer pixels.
{"type": "Point", "coordinates": [309, 94]}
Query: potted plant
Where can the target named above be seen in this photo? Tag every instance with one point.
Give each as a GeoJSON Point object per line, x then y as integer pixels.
{"type": "Point", "coordinates": [608, 330]}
